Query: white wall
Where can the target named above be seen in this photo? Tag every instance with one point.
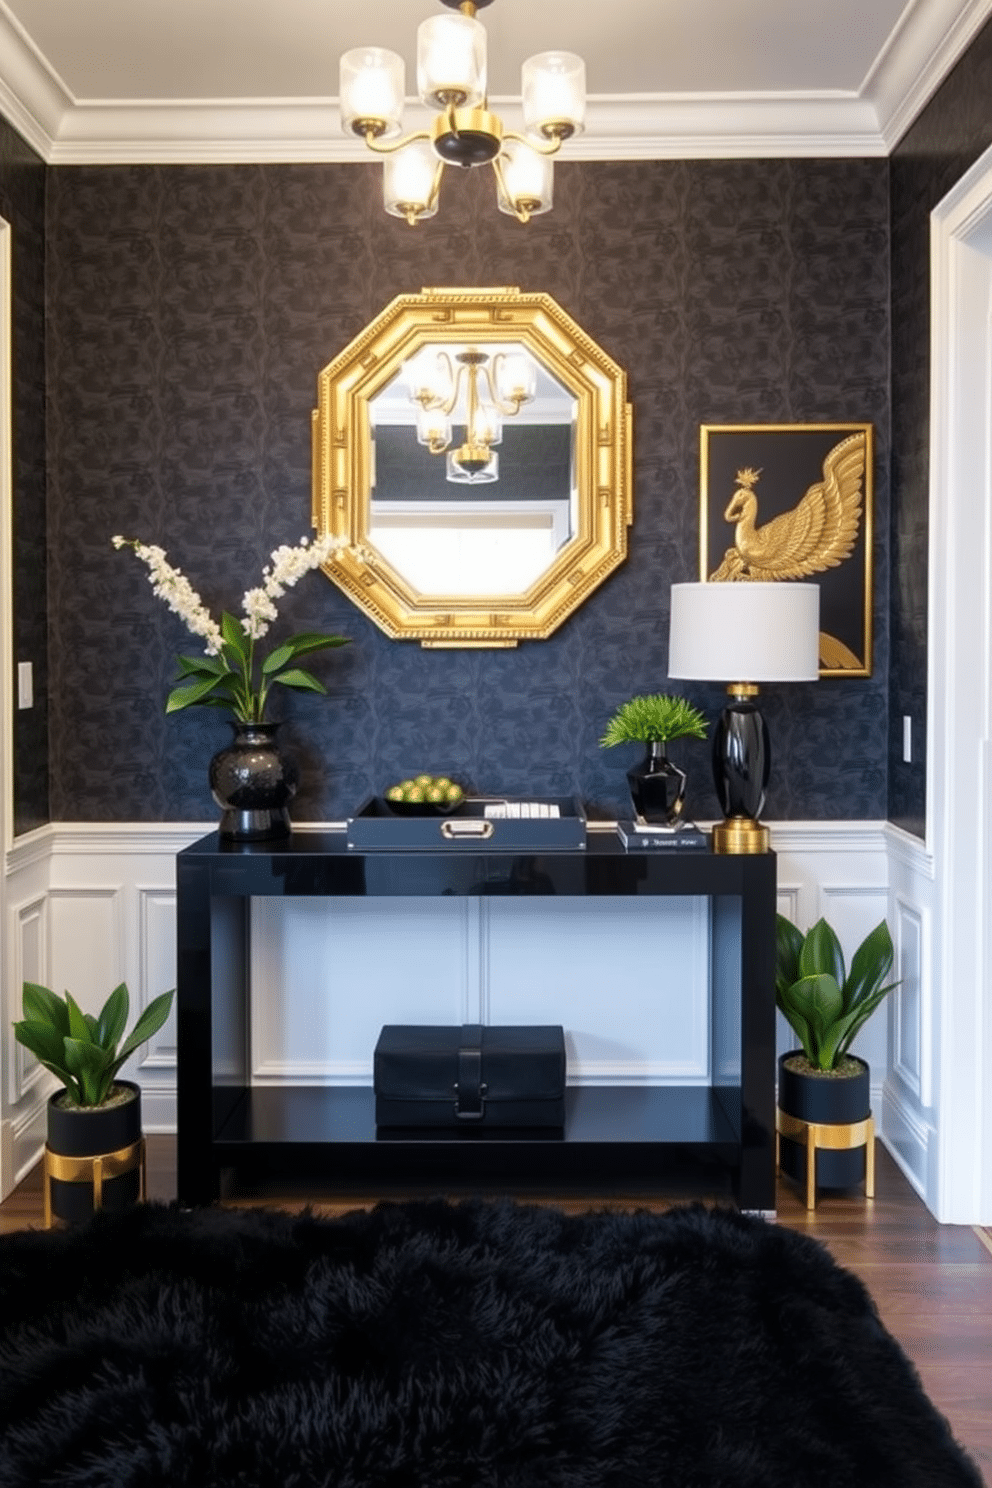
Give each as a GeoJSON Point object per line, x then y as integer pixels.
{"type": "Point", "coordinates": [89, 906]}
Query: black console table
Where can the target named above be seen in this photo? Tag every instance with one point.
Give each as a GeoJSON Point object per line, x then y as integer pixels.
{"type": "Point", "coordinates": [612, 1134]}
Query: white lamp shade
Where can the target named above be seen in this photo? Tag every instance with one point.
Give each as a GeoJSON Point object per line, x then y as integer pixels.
{"type": "Point", "coordinates": [372, 89]}
{"type": "Point", "coordinates": [745, 632]}
{"type": "Point", "coordinates": [525, 181]}
{"type": "Point", "coordinates": [554, 92]}
{"type": "Point", "coordinates": [409, 181]}
{"type": "Point", "coordinates": [451, 61]}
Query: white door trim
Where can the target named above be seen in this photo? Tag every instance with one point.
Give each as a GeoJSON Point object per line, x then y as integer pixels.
{"type": "Point", "coordinates": [959, 802]}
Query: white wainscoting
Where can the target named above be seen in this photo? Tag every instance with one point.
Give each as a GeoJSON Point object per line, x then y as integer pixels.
{"type": "Point", "coordinates": [91, 905]}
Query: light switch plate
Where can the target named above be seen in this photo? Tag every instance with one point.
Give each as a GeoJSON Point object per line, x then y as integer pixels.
{"type": "Point", "coordinates": [25, 684]}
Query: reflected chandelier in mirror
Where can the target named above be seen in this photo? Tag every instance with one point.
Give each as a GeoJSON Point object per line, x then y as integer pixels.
{"type": "Point", "coordinates": [473, 447]}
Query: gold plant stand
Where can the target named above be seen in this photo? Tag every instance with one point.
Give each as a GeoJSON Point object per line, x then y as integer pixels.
{"type": "Point", "coordinates": [835, 1136]}
{"type": "Point", "coordinates": [93, 1170]}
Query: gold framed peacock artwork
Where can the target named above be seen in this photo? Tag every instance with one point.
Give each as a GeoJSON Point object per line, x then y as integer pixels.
{"type": "Point", "coordinates": [781, 502]}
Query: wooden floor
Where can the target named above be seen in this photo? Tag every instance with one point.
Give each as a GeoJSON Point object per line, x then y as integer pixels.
{"type": "Point", "coordinates": [932, 1283]}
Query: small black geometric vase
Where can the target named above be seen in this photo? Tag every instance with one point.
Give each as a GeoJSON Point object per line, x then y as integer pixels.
{"type": "Point", "coordinates": [657, 787]}
{"type": "Point", "coordinates": [253, 782]}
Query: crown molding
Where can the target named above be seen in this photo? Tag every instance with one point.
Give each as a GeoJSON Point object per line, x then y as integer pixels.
{"type": "Point", "coordinates": [68, 131]}
{"type": "Point", "coordinates": [918, 57]}
{"type": "Point", "coordinates": [33, 97]}
{"type": "Point", "coordinates": [269, 130]}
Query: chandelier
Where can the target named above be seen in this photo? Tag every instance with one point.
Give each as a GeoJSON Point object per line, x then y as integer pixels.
{"type": "Point", "coordinates": [451, 77]}
{"type": "Point", "coordinates": [490, 388]}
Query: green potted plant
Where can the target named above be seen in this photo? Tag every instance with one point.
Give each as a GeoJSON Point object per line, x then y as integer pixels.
{"type": "Point", "coordinates": [251, 779]}
{"type": "Point", "coordinates": [826, 1004]}
{"type": "Point", "coordinates": [95, 1114]}
{"type": "Point", "coordinates": [657, 787]}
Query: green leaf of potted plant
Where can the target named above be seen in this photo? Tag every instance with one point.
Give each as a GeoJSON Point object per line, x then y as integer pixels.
{"type": "Point", "coordinates": [657, 787]}
{"type": "Point", "coordinates": [826, 1005]}
{"type": "Point", "coordinates": [96, 1114]}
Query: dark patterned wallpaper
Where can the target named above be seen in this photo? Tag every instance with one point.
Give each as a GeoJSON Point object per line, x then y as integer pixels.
{"type": "Point", "coordinates": [22, 205]}
{"type": "Point", "coordinates": [190, 309]}
{"type": "Point", "coordinates": [945, 140]}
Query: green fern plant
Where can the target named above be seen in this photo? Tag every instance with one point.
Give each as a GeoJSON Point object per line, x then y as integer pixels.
{"type": "Point", "coordinates": [84, 1051]}
{"type": "Point", "coordinates": [826, 1004]}
{"type": "Point", "coordinates": [654, 718]}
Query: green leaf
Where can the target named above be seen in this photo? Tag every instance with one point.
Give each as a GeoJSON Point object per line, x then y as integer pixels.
{"type": "Point", "coordinates": [311, 640]}
{"type": "Point", "coordinates": [278, 658]}
{"type": "Point", "coordinates": [297, 677]}
{"type": "Point", "coordinates": [44, 1042]}
{"type": "Point", "coordinates": [788, 944]}
{"type": "Point", "coordinates": [79, 1029]}
{"type": "Point", "coordinates": [113, 1018]}
{"type": "Point", "coordinates": [235, 637]}
{"type": "Point", "coordinates": [870, 966]}
{"type": "Point", "coordinates": [195, 666]}
{"type": "Point", "coordinates": [90, 1065]}
{"type": "Point", "coordinates": [802, 1030]}
{"type": "Point", "coordinates": [821, 953]}
{"type": "Point", "coordinates": [193, 692]}
{"type": "Point", "coordinates": [859, 1015]}
{"type": "Point", "coordinates": [150, 1022]}
{"type": "Point", "coordinates": [42, 1006]}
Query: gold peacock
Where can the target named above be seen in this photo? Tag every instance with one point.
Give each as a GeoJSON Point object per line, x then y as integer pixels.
{"type": "Point", "coordinates": [818, 533]}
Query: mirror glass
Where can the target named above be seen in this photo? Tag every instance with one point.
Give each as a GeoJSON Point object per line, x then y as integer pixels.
{"type": "Point", "coordinates": [496, 517]}
{"type": "Point", "coordinates": [473, 449]}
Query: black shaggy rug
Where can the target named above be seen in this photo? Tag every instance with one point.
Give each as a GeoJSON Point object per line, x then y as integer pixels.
{"type": "Point", "coordinates": [429, 1345]}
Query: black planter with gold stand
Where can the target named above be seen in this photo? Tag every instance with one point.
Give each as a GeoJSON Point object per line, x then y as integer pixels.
{"type": "Point", "coordinates": [825, 1130]}
{"type": "Point", "coordinates": [94, 1157]}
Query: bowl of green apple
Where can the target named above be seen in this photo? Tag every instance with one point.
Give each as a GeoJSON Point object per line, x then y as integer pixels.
{"type": "Point", "coordinates": [424, 795]}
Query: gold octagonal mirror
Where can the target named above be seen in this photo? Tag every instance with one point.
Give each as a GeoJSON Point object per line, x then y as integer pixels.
{"type": "Point", "coordinates": [473, 448]}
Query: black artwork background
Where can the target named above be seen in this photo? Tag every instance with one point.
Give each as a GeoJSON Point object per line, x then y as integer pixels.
{"type": "Point", "coordinates": [947, 138]}
{"type": "Point", "coordinates": [190, 309]}
{"type": "Point", "coordinates": [22, 205]}
{"type": "Point", "coordinates": [789, 461]}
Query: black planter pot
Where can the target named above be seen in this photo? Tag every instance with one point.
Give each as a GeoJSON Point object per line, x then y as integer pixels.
{"type": "Point", "coordinates": [834, 1101]}
{"type": "Point", "coordinates": [657, 787]}
{"type": "Point", "coordinates": [253, 782]}
{"type": "Point", "coordinates": [79, 1131]}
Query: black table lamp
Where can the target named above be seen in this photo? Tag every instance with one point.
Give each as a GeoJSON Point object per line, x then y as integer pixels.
{"type": "Point", "coordinates": [755, 633]}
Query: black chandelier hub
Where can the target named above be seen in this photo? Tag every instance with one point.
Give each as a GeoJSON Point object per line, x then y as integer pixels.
{"type": "Point", "coordinates": [468, 147]}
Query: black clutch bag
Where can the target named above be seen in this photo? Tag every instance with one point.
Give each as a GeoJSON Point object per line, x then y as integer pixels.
{"type": "Point", "coordinates": [469, 1077]}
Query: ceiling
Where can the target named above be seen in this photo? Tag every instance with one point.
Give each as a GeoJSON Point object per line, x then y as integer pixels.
{"type": "Point", "coordinates": [243, 80]}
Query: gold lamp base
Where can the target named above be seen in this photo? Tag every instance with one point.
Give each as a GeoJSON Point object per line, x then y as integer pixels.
{"type": "Point", "coordinates": [740, 834]}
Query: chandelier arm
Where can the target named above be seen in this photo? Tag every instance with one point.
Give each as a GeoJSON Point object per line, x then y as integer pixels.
{"type": "Point", "coordinates": [384, 147]}
{"type": "Point", "coordinates": [549, 147]}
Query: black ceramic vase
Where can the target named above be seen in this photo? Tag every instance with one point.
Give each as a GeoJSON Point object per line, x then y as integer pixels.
{"type": "Point", "coordinates": [253, 782]}
{"type": "Point", "coordinates": [94, 1131]}
{"type": "Point", "coordinates": [833, 1100]}
{"type": "Point", "coordinates": [657, 787]}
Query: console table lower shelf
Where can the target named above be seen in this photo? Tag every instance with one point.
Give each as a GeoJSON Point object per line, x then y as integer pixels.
{"type": "Point", "coordinates": [613, 1135]}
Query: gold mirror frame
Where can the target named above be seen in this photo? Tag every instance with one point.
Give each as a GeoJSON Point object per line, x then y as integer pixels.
{"type": "Point", "coordinates": [342, 465]}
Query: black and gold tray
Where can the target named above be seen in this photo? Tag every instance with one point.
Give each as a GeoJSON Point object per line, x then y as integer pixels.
{"type": "Point", "coordinates": [487, 823]}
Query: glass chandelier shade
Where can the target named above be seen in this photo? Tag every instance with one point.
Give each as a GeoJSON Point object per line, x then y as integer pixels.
{"type": "Point", "coordinates": [410, 181]}
{"type": "Point", "coordinates": [554, 93]}
{"type": "Point", "coordinates": [452, 78]}
{"type": "Point", "coordinates": [451, 62]}
{"type": "Point", "coordinates": [372, 92]}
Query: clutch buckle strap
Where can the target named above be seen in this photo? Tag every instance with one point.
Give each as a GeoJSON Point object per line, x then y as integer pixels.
{"type": "Point", "coordinates": [470, 1091]}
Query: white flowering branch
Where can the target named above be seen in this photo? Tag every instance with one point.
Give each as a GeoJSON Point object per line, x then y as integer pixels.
{"type": "Point", "coordinates": [230, 675]}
